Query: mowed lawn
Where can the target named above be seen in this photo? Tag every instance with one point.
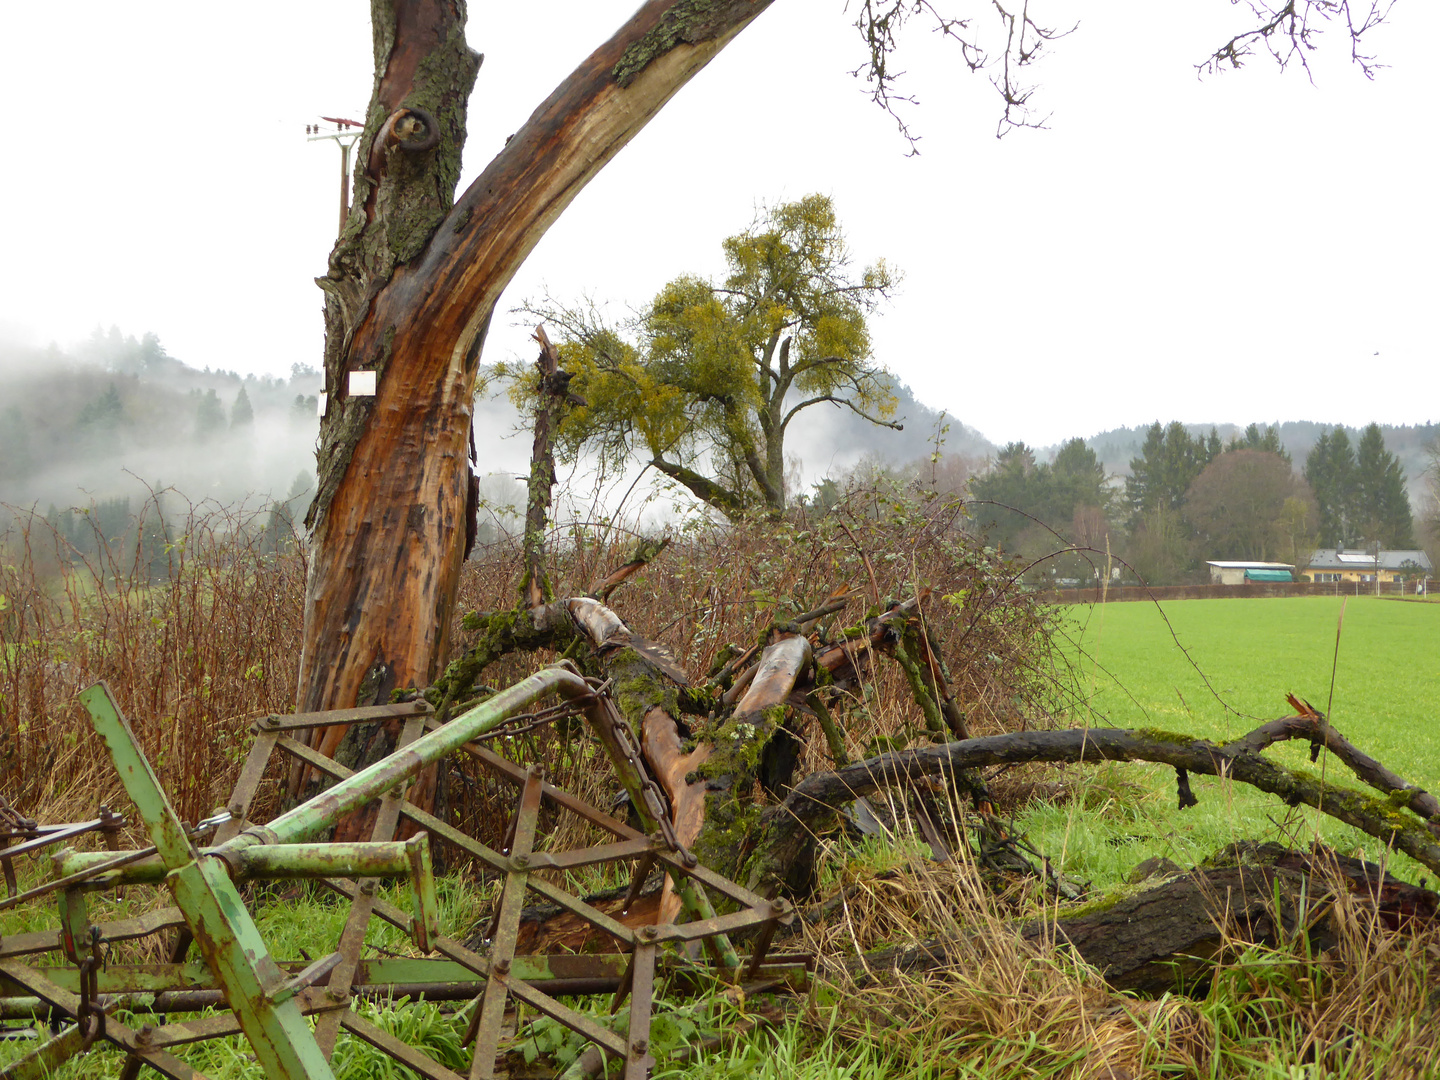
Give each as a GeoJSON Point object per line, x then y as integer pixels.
{"type": "Point", "coordinates": [1244, 655]}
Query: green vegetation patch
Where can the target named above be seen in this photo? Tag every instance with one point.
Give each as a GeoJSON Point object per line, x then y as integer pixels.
{"type": "Point", "coordinates": [1218, 668]}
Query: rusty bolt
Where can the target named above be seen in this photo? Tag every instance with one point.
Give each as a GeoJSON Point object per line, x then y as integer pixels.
{"type": "Point", "coordinates": [520, 862]}
{"type": "Point", "coordinates": [502, 966]}
{"type": "Point", "coordinates": [336, 993]}
{"type": "Point", "coordinates": [779, 906]}
{"type": "Point", "coordinates": [648, 933]}
{"type": "Point", "coordinates": [640, 1045]}
{"type": "Point", "coordinates": [368, 886]}
{"type": "Point", "coordinates": [145, 1034]}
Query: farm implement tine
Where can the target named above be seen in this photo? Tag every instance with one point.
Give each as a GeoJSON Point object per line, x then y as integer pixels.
{"type": "Point", "coordinates": [490, 1014]}
{"type": "Point", "coordinates": [352, 938]}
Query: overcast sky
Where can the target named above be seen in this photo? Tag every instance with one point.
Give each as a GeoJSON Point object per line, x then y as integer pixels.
{"type": "Point", "coordinates": [1244, 247]}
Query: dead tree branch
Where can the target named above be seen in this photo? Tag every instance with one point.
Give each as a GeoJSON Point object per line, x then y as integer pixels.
{"type": "Point", "coordinates": [812, 807]}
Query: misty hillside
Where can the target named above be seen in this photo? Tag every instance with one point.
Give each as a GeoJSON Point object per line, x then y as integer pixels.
{"type": "Point", "coordinates": [829, 440]}
{"type": "Point", "coordinates": [116, 414]}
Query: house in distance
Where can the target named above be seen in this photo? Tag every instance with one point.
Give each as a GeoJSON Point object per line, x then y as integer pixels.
{"type": "Point", "coordinates": [1340, 565]}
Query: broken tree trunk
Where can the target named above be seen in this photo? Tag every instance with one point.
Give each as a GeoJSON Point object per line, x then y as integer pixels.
{"type": "Point", "coordinates": [1166, 938]}
{"type": "Point", "coordinates": [409, 292]}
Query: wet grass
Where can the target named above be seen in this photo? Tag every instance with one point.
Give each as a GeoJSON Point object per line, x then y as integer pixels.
{"type": "Point", "coordinates": [1217, 669]}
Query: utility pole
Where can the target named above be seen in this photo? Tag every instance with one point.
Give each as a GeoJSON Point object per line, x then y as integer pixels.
{"type": "Point", "coordinates": [346, 134]}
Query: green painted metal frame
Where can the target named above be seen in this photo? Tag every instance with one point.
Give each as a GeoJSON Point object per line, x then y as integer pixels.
{"type": "Point", "coordinates": [277, 1030]}
{"type": "Point", "coordinates": [273, 999]}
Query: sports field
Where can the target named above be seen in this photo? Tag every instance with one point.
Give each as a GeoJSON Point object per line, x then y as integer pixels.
{"type": "Point", "coordinates": [1218, 668]}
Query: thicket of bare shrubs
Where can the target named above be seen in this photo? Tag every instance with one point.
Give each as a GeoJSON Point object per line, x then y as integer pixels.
{"type": "Point", "coordinates": [197, 647]}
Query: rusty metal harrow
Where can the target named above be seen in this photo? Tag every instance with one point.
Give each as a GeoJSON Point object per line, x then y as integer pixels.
{"type": "Point", "coordinates": [272, 1001]}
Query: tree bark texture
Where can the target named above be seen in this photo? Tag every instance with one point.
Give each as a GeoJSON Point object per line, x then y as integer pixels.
{"type": "Point", "coordinates": [410, 289]}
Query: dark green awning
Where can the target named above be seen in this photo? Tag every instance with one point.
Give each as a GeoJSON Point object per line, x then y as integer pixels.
{"type": "Point", "coordinates": [1268, 575]}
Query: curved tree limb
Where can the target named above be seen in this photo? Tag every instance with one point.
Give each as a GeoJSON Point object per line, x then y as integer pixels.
{"type": "Point", "coordinates": [894, 424]}
{"type": "Point", "coordinates": [702, 487]}
{"type": "Point", "coordinates": [813, 806]}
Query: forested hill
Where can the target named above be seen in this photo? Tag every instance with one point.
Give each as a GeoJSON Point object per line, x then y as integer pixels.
{"type": "Point", "coordinates": [1115, 448]}
{"type": "Point", "coordinates": [103, 419]}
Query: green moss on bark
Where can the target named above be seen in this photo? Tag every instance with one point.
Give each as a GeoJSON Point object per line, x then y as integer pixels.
{"type": "Point", "coordinates": [686, 22]}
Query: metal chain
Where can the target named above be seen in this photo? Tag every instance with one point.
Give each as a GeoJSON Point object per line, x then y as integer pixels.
{"type": "Point", "coordinates": [655, 803]}
{"type": "Point", "coordinates": [90, 1009]}
{"type": "Point", "coordinates": [527, 722]}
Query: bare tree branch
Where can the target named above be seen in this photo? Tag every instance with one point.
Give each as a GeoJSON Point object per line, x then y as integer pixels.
{"type": "Point", "coordinates": [1288, 32]}
{"type": "Point", "coordinates": [895, 424]}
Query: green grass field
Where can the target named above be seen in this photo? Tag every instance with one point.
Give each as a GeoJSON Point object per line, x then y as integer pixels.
{"type": "Point", "coordinates": [1216, 669]}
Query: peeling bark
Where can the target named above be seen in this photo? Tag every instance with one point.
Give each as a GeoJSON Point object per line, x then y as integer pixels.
{"type": "Point", "coordinates": [410, 289]}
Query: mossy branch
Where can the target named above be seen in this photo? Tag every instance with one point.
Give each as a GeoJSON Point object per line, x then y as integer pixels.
{"type": "Point", "coordinates": [788, 831]}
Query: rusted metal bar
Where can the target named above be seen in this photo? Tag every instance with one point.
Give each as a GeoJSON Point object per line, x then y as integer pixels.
{"type": "Point", "coordinates": [402, 1052]}
{"type": "Point", "coordinates": [281, 861]}
{"type": "Point", "coordinates": [116, 1032]}
{"type": "Point", "coordinates": [638, 1059]}
{"type": "Point", "coordinates": [491, 1011]}
{"type": "Point", "coordinates": [352, 938]}
{"type": "Point", "coordinates": [246, 785]}
{"type": "Point", "coordinates": [98, 863]}
{"type": "Point", "coordinates": [443, 831]}
{"type": "Point", "coordinates": [340, 717]}
{"type": "Point", "coordinates": [711, 880]}
{"type": "Point", "coordinates": [42, 1062]}
{"type": "Point", "coordinates": [126, 929]}
{"type": "Point", "coordinates": [581, 1023]}
{"type": "Point", "coordinates": [54, 834]}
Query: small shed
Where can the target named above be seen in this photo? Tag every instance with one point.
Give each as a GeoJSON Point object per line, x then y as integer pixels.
{"type": "Point", "coordinates": [1238, 572]}
{"type": "Point", "coordinates": [1269, 575]}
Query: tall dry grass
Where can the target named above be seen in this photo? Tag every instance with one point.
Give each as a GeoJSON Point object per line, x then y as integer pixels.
{"type": "Point", "coordinates": [1002, 1005]}
{"type": "Point", "coordinates": [201, 635]}
{"type": "Point", "coordinates": [194, 641]}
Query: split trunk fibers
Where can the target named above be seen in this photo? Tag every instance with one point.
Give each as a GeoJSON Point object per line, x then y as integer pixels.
{"type": "Point", "coordinates": [410, 289]}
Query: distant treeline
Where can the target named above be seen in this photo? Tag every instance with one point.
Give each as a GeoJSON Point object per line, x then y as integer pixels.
{"type": "Point", "coordinates": [73, 425]}
{"type": "Point", "coordinates": [1186, 498]}
{"type": "Point", "coordinates": [102, 440]}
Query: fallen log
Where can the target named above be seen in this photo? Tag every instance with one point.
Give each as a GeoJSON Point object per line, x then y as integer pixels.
{"type": "Point", "coordinates": [1169, 937]}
